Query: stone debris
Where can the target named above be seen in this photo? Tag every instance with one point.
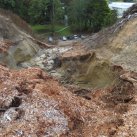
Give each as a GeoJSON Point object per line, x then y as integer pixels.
{"type": "Point", "coordinates": [45, 58]}
{"type": "Point", "coordinates": [34, 104]}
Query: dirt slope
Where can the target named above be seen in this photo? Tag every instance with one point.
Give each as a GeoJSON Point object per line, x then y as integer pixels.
{"type": "Point", "coordinates": [125, 46]}
{"type": "Point", "coordinates": [16, 44]}
{"type": "Point", "coordinates": [118, 43]}
{"type": "Point", "coordinates": [34, 104]}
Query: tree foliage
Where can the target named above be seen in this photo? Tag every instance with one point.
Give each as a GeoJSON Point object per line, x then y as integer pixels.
{"type": "Point", "coordinates": [37, 10]}
{"type": "Point", "coordinates": [90, 15]}
{"type": "Point", "coordinates": [9, 4]}
{"type": "Point", "coordinates": [84, 15]}
{"type": "Point", "coordinates": [34, 11]}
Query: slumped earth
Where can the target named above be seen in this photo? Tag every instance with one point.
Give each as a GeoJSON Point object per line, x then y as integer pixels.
{"type": "Point", "coordinates": [85, 89]}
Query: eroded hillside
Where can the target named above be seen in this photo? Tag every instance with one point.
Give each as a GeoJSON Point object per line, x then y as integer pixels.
{"type": "Point", "coordinates": [16, 40]}
{"type": "Point", "coordinates": [118, 43]}
{"type": "Point", "coordinates": [92, 91]}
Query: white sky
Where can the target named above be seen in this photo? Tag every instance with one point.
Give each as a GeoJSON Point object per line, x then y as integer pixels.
{"type": "Point", "coordinates": [122, 5]}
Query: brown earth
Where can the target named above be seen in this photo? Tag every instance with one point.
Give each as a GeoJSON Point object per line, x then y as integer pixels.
{"type": "Point", "coordinates": [102, 100]}
{"type": "Point", "coordinates": [34, 104]}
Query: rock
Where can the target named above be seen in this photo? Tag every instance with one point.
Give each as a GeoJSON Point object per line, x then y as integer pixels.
{"type": "Point", "coordinates": [43, 56]}
{"type": "Point", "coordinates": [25, 65]}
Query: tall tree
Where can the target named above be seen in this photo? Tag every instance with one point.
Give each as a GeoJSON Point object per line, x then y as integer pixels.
{"type": "Point", "coordinates": [19, 7]}
{"type": "Point", "coordinates": [9, 4]}
{"type": "Point", "coordinates": [37, 10]}
{"type": "Point", "coordinates": [41, 11]}
{"type": "Point", "coordinates": [89, 15]}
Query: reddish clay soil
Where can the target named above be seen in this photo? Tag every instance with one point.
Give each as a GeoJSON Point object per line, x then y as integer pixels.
{"type": "Point", "coordinates": [34, 104]}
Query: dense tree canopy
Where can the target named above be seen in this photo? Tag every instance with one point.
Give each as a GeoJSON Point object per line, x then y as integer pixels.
{"type": "Point", "coordinates": [34, 11]}
{"type": "Point", "coordinates": [84, 15]}
{"type": "Point", "coordinates": [37, 10]}
{"type": "Point", "coordinates": [19, 7]}
{"type": "Point", "coordinates": [90, 15]}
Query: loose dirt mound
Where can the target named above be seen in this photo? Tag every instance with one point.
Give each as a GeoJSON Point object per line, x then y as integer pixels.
{"type": "Point", "coordinates": [34, 104]}
{"type": "Point", "coordinates": [15, 44]}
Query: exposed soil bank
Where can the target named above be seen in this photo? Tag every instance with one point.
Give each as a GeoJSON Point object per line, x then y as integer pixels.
{"type": "Point", "coordinates": [17, 44]}
{"type": "Point", "coordinates": [89, 72]}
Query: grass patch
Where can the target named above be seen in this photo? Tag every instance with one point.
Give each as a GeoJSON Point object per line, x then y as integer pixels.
{"type": "Point", "coordinates": [65, 32]}
{"type": "Point", "coordinates": [47, 29]}
{"type": "Point", "coordinates": [40, 28]}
